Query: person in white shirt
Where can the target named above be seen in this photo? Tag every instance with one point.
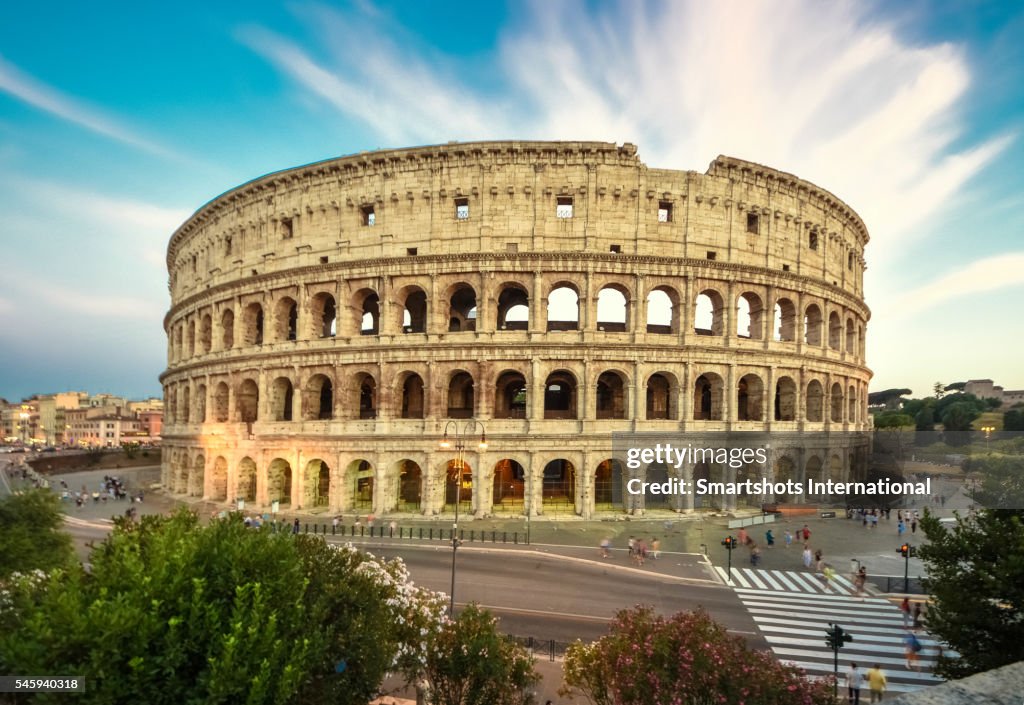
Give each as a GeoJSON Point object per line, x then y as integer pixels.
{"type": "Point", "coordinates": [854, 680]}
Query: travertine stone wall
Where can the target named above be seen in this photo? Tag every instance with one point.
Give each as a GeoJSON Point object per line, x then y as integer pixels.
{"type": "Point", "coordinates": [330, 322]}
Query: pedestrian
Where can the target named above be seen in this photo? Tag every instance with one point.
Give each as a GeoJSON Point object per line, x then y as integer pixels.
{"type": "Point", "coordinates": [632, 547]}
{"type": "Point", "coordinates": [854, 680]}
{"type": "Point", "coordinates": [877, 683]}
{"type": "Point", "coordinates": [769, 538]}
{"type": "Point", "coordinates": [606, 545]}
{"type": "Point", "coordinates": [913, 525]}
{"type": "Point", "coordinates": [295, 526]}
{"type": "Point", "coordinates": [860, 580]}
{"type": "Point", "coordinates": [742, 537]}
{"type": "Point", "coordinates": [807, 556]}
{"type": "Point", "coordinates": [829, 574]}
{"type": "Point", "coordinates": [655, 548]}
{"type": "Point", "coordinates": [900, 528]}
{"type": "Point", "coordinates": [788, 538]}
{"type": "Point", "coordinates": [818, 563]}
{"type": "Point", "coordinates": [755, 556]}
{"type": "Point", "coordinates": [912, 646]}
{"type": "Point", "coordinates": [334, 524]}
{"type": "Point", "coordinates": [807, 533]}
{"type": "Point", "coordinates": [917, 616]}
{"type": "Point", "coordinates": [641, 552]}
{"type": "Point", "coordinates": [905, 610]}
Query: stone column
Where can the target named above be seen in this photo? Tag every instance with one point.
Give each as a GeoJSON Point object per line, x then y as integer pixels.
{"type": "Point", "coordinates": [538, 305]}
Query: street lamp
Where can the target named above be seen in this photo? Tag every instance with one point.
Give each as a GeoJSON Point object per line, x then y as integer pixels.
{"type": "Point", "coordinates": [988, 434]}
{"type": "Point", "coordinates": [460, 449]}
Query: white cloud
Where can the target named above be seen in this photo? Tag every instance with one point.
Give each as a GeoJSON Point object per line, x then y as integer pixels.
{"type": "Point", "coordinates": [48, 99]}
{"type": "Point", "coordinates": [984, 275]}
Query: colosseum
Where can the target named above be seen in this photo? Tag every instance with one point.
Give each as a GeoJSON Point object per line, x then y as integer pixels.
{"type": "Point", "coordinates": [332, 324]}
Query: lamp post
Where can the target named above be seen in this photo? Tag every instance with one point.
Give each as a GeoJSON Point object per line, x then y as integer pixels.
{"type": "Point", "coordinates": [988, 434]}
{"type": "Point", "coordinates": [460, 449]}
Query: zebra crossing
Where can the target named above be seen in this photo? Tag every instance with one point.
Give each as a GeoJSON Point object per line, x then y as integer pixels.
{"type": "Point", "coordinates": [793, 609]}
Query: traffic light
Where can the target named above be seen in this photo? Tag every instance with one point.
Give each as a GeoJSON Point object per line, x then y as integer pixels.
{"type": "Point", "coordinates": [729, 542]}
{"type": "Point", "coordinates": [836, 637]}
{"type": "Point", "coordinates": [907, 551]}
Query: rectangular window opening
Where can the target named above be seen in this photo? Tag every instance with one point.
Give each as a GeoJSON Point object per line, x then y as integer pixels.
{"type": "Point", "coordinates": [564, 207]}
{"type": "Point", "coordinates": [286, 229]}
{"type": "Point", "coordinates": [664, 211]}
{"type": "Point", "coordinates": [812, 241]}
{"type": "Point", "coordinates": [369, 215]}
{"type": "Point", "coordinates": [512, 247]}
{"type": "Point", "coordinates": [227, 245]}
{"type": "Point", "coordinates": [712, 254]}
{"type": "Point", "coordinates": [617, 249]}
{"type": "Point", "coordinates": [785, 268]}
{"type": "Point", "coordinates": [323, 260]}
{"type": "Point", "coordinates": [412, 251]}
{"type": "Point", "coordinates": [753, 223]}
{"type": "Point", "coordinates": [462, 209]}
{"type": "Point", "coordinates": [849, 261]}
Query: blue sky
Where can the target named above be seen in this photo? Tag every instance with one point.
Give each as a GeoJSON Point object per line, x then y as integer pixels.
{"type": "Point", "coordinates": [117, 120]}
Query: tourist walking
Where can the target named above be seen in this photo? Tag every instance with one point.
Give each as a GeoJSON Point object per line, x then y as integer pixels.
{"type": "Point", "coordinates": [900, 528]}
{"type": "Point", "coordinates": [606, 545]}
{"type": "Point", "coordinates": [787, 538]}
{"type": "Point", "coordinates": [295, 526]}
{"type": "Point", "coordinates": [742, 537]}
{"type": "Point", "coordinates": [877, 683]}
{"type": "Point", "coordinates": [917, 616]}
{"type": "Point", "coordinates": [655, 548]}
{"type": "Point", "coordinates": [905, 611]}
{"type": "Point", "coordinates": [769, 538]}
{"type": "Point", "coordinates": [912, 646]}
{"type": "Point", "coordinates": [854, 680]}
{"type": "Point", "coordinates": [807, 556]}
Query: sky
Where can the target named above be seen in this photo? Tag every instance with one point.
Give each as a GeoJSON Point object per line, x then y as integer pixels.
{"type": "Point", "coordinates": [118, 120]}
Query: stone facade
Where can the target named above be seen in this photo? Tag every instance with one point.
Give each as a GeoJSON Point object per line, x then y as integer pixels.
{"type": "Point", "coordinates": [330, 322]}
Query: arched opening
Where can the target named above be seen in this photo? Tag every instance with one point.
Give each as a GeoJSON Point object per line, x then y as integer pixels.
{"type": "Point", "coordinates": [414, 312]}
{"type": "Point", "coordinates": [750, 398]}
{"type": "Point", "coordinates": [220, 402]}
{"type": "Point", "coordinates": [219, 480]}
{"type": "Point", "coordinates": [412, 397]}
{"type": "Point", "coordinates": [245, 485]}
{"type": "Point", "coordinates": [611, 396]}
{"type": "Point", "coordinates": [318, 484]}
{"type": "Point", "coordinates": [835, 331]}
{"type": "Point", "coordinates": [510, 396]}
{"type": "Point", "coordinates": [663, 311]}
{"type": "Point", "coordinates": [851, 404]}
{"type": "Point", "coordinates": [200, 404]}
{"type": "Point", "coordinates": [185, 414]}
{"type": "Point", "coordinates": [837, 403]}
{"type": "Point", "coordinates": [460, 396]}
{"type": "Point", "coordinates": [508, 487]}
{"type": "Point", "coordinates": [206, 333]}
{"type": "Point", "coordinates": [785, 472]}
{"type": "Point", "coordinates": [612, 309]}
{"type": "Point", "coordinates": [560, 396]}
{"type": "Point", "coordinates": [462, 309]}
{"type": "Point", "coordinates": [785, 399]}
{"type": "Point", "coordinates": [812, 325]}
{"type": "Point", "coordinates": [367, 303]}
{"type": "Point", "coordinates": [707, 397]}
{"type": "Point", "coordinates": [286, 319]}
{"type": "Point", "coordinates": [851, 337]}
{"type": "Point", "coordinates": [191, 338]}
{"type": "Point", "coordinates": [410, 486]}
{"type": "Point", "coordinates": [750, 316]}
{"type": "Point", "coordinates": [661, 395]}
{"type": "Point", "coordinates": [360, 474]}
{"type": "Point", "coordinates": [227, 329]}
{"type": "Point", "coordinates": [323, 316]}
{"type": "Point", "coordinates": [656, 473]}
{"type": "Point", "coordinates": [248, 401]}
{"type": "Point", "coordinates": [558, 490]}
{"type": "Point", "coordinates": [785, 321]}
{"type": "Point", "coordinates": [708, 317]}
{"type": "Point", "coordinates": [563, 308]}
{"type": "Point", "coordinates": [513, 308]}
{"type": "Point", "coordinates": [318, 398]}
{"type": "Point", "coordinates": [281, 399]}
{"type": "Point", "coordinates": [366, 396]}
{"type": "Point", "coordinates": [458, 482]}
{"type": "Point", "coordinates": [609, 486]}
{"type": "Point", "coordinates": [815, 401]}
{"type": "Point", "coordinates": [252, 324]}
{"type": "Point", "coordinates": [279, 482]}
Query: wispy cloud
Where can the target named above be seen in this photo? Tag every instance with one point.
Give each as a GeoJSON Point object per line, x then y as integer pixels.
{"type": "Point", "coordinates": [31, 91]}
{"type": "Point", "coordinates": [979, 277]}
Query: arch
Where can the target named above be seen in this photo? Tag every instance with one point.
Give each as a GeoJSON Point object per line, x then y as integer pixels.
{"type": "Point", "coordinates": [663, 310]}
{"type": "Point", "coordinates": [365, 396]}
{"type": "Point", "coordinates": [413, 305]}
{"type": "Point", "coordinates": [750, 398]}
{"type": "Point", "coordinates": [245, 484]}
{"type": "Point", "coordinates": [361, 480]}
{"type": "Point", "coordinates": [785, 471]}
{"type": "Point", "coordinates": [513, 308]}
{"type": "Point", "coordinates": [227, 329]}
{"type": "Point", "coordinates": [613, 309]}
{"type": "Point", "coordinates": [317, 489]}
{"type": "Point", "coordinates": [318, 398]}
{"type": "Point", "coordinates": [851, 337]}
{"type": "Point", "coordinates": [508, 487]}
{"type": "Point", "coordinates": [785, 321]}
{"type": "Point", "coordinates": [412, 396]}
{"type": "Point", "coordinates": [560, 395]}
{"type": "Point", "coordinates": [510, 395]}
{"type": "Point", "coordinates": [662, 393]}
{"type": "Point", "coordinates": [812, 325]}
{"type": "Point", "coordinates": [221, 395]}
{"type": "Point", "coordinates": [462, 309]}
{"type": "Point", "coordinates": [281, 399]}
{"type": "Point", "coordinates": [837, 403]}
{"type": "Point", "coordinates": [219, 480]}
{"type": "Point", "coordinates": [708, 318]}
{"type": "Point", "coordinates": [366, 302]}
{"type": "Point", "coordinates": [200, 403]}
{"type": "Point", "coordinates": [815, 401]}
{"type": "Point", "coordinates": [458, 482]}
{"type": "Point", "coordinates": [206, 333]}
{"type": "Point", "coordinates": [410, 485]}
{"type": "Point", "coordinates": [247, 401]}
{"type": "Point", "coordinates": [835, 331]}
{"type": "Point", "coordinates": [286, 319]}
{"type": "Point", "coordinates": [460, 396]}
{"type": "Point", "coordinates": [611, 396]}
{"type": "Point", "coordinates": [558, 487]}
{"type": "Point", "coordinates": [323, 314]}
{"type": "Point", "coordinates": [750, 316]}
{"type": "Point", "coordinates": [851, 404]}
{"type": "Point", "coordinates": [279, 482]}
{"type": "Point", "coordinates": [563, 307]}
{"type": "Point", "coordinates": [785, 399]}
{"type": "Point", "coordinates": [252, 324]}
{"type": "Point", "coordinates": [609, 486]}
{"type": "Point", "coordinates": [707, 397]}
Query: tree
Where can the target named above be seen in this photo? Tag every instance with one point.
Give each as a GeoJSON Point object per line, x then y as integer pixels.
{"type": "Point", "coordinates": [470, 663]}
{"type": "Point", "coordinates": [976, 580]}
{"type": "Point", "coordinates": [893, 419]}
{"type": "Point", "coordinates": [939, 390]}
{"type": "Point", "coordinates": [31, 533]}
{"type": "Point", "coordinates": [130, 448]}
{"type": "Point", "coordinates": [171, 612]}
{"type": "Point", "coordinates": [889, 397]}
{"type": "Point", "coordinates": [1002, 480]}
{"type": "Point", "coordinates": [1013, 420]}
{"type": "Point", "coordinates": [686, 658]}
{"type": "Point", "coordinates": [956, 421]}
